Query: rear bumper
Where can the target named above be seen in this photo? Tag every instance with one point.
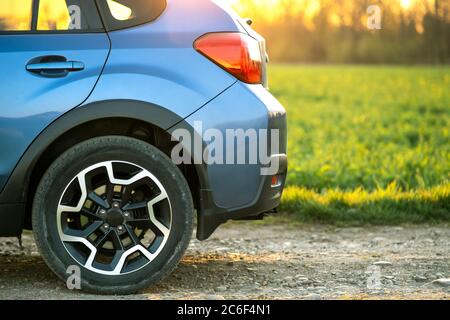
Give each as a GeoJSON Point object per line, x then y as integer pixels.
{"type": "Point", "coordinates": [268, 199]}
{"type": "Point", "coordinates": [239, 191]}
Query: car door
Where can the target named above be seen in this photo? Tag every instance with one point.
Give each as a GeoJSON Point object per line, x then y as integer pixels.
{"type": "Point", "coordinates": [52, 53]}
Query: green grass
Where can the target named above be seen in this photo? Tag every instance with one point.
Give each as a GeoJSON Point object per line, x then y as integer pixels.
{"type": "Point", "coordinates": [366, 144]}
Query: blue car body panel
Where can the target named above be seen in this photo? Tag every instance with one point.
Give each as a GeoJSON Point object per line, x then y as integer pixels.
{"type": "Point", "coordinates": [29, 102]}
{"type": "Point", "coordinates": [170, 74]}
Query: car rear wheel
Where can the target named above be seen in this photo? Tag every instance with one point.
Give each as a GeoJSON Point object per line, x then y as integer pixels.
{"type": "Point", "coordinates": [116, 208]}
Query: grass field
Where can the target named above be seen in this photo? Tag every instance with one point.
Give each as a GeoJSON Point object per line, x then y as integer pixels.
{"type": "Point", "coordinates": [366, 144]}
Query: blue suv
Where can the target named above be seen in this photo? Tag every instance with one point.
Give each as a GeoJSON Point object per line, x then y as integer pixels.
{"type": "Point", "coordinates": [94, 99]}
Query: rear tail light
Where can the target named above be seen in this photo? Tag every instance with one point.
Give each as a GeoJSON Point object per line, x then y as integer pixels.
{"type": "Point", "coordinates": [237, 53]}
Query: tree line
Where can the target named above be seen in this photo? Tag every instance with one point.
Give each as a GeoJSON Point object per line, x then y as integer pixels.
{"type": "Point", "coordinates": [336, 31]}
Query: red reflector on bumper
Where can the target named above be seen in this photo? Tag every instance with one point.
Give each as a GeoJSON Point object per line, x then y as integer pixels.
{"type": "Point", "coordinates": [276, 181]}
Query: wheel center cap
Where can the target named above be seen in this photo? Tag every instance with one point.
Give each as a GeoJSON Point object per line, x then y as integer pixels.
{"type": "Point", "coordinates": [114, 217]}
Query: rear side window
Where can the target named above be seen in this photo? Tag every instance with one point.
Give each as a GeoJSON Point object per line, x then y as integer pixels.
{"type": "Point", "coordinates": [120, 14]}
{"type": "Point", "coordinates": [68, 15]}
{"type": "Point", "coordinates": [16, 15]}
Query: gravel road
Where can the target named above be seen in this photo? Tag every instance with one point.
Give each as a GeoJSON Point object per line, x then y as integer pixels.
{"type": "Point", "coordinates": [249, 261]}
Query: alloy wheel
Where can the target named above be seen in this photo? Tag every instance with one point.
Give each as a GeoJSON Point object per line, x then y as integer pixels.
{"type": "Point", "coordinates": [114, 218]}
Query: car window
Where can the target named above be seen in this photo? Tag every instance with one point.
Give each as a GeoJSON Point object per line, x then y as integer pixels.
{"type": "Point", "coordinates": [68, 15]}
{"type": "Point", "coordinates": [120, 14]}
{"type": "Point", "coordinates": [15, 15]}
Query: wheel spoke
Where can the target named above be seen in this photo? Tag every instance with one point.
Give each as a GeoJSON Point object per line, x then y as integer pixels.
{"type": "Point", "coordinates": [154, 221]}
{"type": "Point", "coordinates": [139, 220]}
{"type": "Point", "coordinates": [138, 176]}
{"type": "Point", "coordinates": [120, 257]}
{"type": "Point", "coordinates": [135, 206]}
{"type": "Point", "coordinates": [98, 200]}
{"type": "Point", "coordinates": [162, 196]}
{"type": "Point", "coordinates": [100, 241]}
{"type": "Point", "coordinates": [156, 244]}
{"type": "Point", "coordinates": [90, 214]}
{"type": "Point", "coordinates": [127, 194]}
{"type": "Point", "coordinates": [156, 230]}
{"type": "Point", "coordinates": [118, 261]}
{"type": "Point", "coordinates": [94, 226]}
{"type": "Point", "coordinates": [132, 235]}
{"type": "Point", "coordinates": [109, 194]}
{"type": "Point", "coordinates": [117, 241]}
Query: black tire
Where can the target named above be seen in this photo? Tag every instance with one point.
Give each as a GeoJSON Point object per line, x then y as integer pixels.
{"type": "Point", "coordinates": [66, 167]}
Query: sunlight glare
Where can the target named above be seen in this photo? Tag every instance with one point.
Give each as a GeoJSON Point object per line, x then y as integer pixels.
{"type": "Point", "coordinates": [119, 11]}
{"type": "Point", "coordinates": [406, 4]}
